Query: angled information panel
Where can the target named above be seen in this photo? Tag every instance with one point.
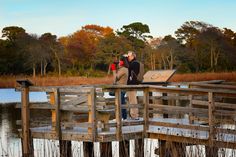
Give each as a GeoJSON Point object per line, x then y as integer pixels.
{"type": "Point", "coordinates": [158, 76]}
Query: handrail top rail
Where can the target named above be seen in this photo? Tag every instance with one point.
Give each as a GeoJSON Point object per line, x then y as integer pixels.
{"type": "Point", "coordinates": [79, 89]}
{"type": "Point", "coordinates": [230, 87]}
{"type": "Point", "coordinates": [201, 91]}
{"type": "Point", "coordinates": [87, 88]}
{"type": "Point", "coordinates": [171, 89]}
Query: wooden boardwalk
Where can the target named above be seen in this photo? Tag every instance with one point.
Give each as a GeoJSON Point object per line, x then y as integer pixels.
{"type": "Point", "coordinates": [203, 114]}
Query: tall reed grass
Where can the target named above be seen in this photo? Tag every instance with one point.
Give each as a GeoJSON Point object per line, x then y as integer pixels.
{"type": "Point", "coordinates": [10, 81]}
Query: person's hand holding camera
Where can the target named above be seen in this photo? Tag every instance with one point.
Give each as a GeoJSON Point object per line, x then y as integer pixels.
{"type": "Point", "coordinates": [113, 66]}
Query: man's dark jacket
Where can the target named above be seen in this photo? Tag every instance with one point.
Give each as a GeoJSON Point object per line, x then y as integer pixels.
{"type": "Point", "coordinates": [133, 72]}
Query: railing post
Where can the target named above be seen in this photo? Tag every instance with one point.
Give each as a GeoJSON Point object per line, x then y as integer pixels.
{"type": "Point", "coordinates": [211, 150]}
{"type": "Point", "coordinates": [92, 129]}
{"type": "Point", "coordinates": [92, 114]}
{"type": "Point", "coordinates": [146, 111]}
{"type": "Point", "coordinates": [165, 102]}
{"type": "Point", "coordinates": [53, 112]}
{"type": "Point", "coordinates": [191, 116]}
{"type": "Point", "coordinates": [118, 114]}
{"type": "Point", "coordinates": [27, 143]}
{"type": "Point", "coordinates": [57, 104]}
{"type": "Point", "coordinates": [211, 110]}
{"type": "Point", "coordinates": [65, 146]}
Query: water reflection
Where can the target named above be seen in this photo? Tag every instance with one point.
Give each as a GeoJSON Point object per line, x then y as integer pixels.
{"type": "Point", "coordinates": [10, 145]}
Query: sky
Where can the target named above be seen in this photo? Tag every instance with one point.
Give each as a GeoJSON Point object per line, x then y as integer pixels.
{"type": "Point", "coordinates": [64, 17]}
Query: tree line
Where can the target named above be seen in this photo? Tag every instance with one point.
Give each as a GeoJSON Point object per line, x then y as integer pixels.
{"type": "Point", "coordinates": [196, 47]}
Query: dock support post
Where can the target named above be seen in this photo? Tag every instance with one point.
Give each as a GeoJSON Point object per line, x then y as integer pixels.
{"type": "Point", "coordinates": [161, 151]}
{"type": "Point", "coordinates": [65, 148]}
{"type": "Point", "coordinates": [139, 147]}
{"type": "Point", "coordinates": [211, 151]}
{"type": "Point", "coordinates": [171, 149]}
{"type": "Point", "coordinates": [106, 149]}
{"type": "Point", "coordinates": [124, 148]}
{"type": "Point", "coordinates": [27, 141]}
{"type": "Point", "coordinates": [88, 149]}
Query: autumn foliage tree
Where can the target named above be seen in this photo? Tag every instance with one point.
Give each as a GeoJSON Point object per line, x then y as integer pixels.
{"type": "Point", "coordinates": [196, 47]}
{"type": "Point", "coordinates": [81, 46]}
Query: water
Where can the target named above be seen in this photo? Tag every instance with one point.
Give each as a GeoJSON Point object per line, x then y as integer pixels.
{"type": "Point", "coordinates": [10, 95]}
{"type": "Point", "coordinates": [10, 144]}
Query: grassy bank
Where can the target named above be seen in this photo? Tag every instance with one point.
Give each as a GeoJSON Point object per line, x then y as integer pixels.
{"type": "Point", "coordinates": [10, 81]}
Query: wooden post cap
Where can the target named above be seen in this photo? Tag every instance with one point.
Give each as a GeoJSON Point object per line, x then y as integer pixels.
{"type": "Point", "coordinates": [25, 83]}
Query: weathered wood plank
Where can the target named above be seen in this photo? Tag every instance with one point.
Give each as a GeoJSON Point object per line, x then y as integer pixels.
{"type": "Point", "coordinates": [188, 140]}
{"type": "Point", "coordinates": [172, 97]}
{"type": "Point", "coordinates": [177, 109]}
{"type": "Point", "coordinates": [217, 104]}
{"type": "Point", "coordinates": [193, 91]}
{"type": "Point", "coordinates": [76, 101]}
{"type": "Point", "coordinates": [213, 86]}
{"type": "Point", "coordinates": [177, 125]}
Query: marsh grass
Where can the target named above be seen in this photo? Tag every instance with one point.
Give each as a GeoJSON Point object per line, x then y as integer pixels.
{"type": "Point", "coordinates": [10, 81]}
{"type": "Point", "coordinates": [193, 77]}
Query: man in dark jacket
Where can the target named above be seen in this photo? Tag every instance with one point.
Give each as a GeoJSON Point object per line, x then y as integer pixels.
{"type": "Point", "coordinates": [132, 80]}
{"type": "Point", "coordinates": [133, 69]}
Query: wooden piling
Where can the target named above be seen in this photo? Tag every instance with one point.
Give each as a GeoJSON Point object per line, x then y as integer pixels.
{"type": "Point", "coordinates": [88, 149]}
{"type": "Point", "coordinates": [27, 142]}
{"type": "Point", "coordinates": [139, 147]}
{"type": "Point", "coordinates": [211, 151]}
{"type": "Point", "coordinates": [65, 148]}
{"type": "Point", "coordinates": [106, 149]}
{"type": "Point", "coordinates": [124, 148]}
{"type": "Point", "coordinates": [171, 149]}
{"type": "Point", "coordinates": [161, 151]}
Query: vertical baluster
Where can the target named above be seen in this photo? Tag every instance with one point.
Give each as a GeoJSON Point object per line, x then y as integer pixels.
{"type": "Point", "coordinates": [118, 114]}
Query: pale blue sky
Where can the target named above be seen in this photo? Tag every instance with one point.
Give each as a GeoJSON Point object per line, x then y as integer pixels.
{"type": "Point", "coordinates": [63, 17]}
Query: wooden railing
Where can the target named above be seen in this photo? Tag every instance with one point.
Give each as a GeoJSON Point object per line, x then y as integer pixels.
{"type": "Point", "coordinates": [206, 110]}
